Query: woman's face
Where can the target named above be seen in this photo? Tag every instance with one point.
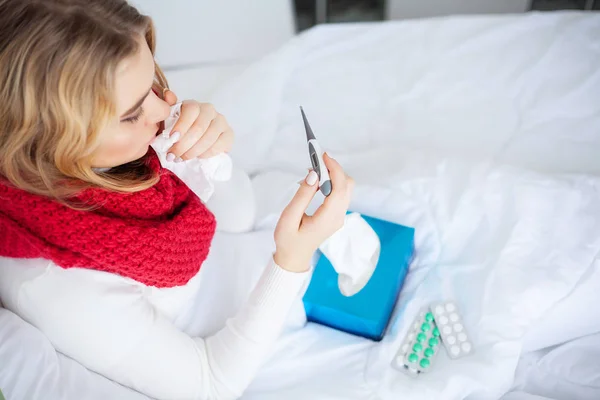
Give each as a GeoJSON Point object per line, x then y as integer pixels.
{"type": "Point", "coordinates": [139, 112]}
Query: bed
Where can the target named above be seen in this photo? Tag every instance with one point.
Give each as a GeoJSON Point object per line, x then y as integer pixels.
{"type": "Point", "coordinates": [483, 133]}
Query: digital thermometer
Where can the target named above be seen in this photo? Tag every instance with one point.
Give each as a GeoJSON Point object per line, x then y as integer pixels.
{"type": "Point", "coordinates": [316, 158]}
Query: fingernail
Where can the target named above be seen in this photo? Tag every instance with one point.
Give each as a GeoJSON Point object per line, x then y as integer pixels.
{"type": "Point", "coordinates": [170, 157]}
{"type": "Point", "coordinates": [312, 178]}
{"type": "Point", "coordinates": [178, 160]}
{"type": "Point", "coordinates": [175, 137]}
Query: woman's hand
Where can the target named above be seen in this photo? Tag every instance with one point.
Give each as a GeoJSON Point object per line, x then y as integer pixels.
{"type": "Point", "coordinates": [297, 235]}
{"type": "Point", "coordinates": [203, 131]}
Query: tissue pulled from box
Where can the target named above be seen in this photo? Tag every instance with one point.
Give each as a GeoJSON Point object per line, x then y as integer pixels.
{"type": "Point", "coordinates": [353, 252]}
{"type": "Point", "coordinates": [199, 173]}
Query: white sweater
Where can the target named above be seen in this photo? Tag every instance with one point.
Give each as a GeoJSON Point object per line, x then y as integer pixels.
{"type": "Point", "coordinates": [125, 330]}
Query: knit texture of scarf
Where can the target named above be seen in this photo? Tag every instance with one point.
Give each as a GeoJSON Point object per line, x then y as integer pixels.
{"type": "Point", "coordinates": [159, 236]}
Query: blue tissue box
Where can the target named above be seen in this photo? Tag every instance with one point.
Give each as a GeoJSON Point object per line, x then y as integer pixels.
{"type": "Point", "coordinates": [366, 313]}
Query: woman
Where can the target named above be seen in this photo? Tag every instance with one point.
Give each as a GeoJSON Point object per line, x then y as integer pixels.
{"type": "Point", "coordinates": [99, 243]}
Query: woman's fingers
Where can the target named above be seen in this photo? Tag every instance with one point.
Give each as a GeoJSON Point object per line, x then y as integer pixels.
{"type": "Point", "coordinates": [222, 145]}
{"type": "Point", "coordinates": [194, 120]}
{"type": "Point", "coordinates": [201, 130]}
{"type": "Point", "coordinates": [202, 141]}
{"type": "Point", "coordinates": [294, 212]}
{"type": "Point", "coordinates": [336, 204]}
{"type": "Point", "coordinates": [349, 188]}
{"type": "Point", "coordinates": [170, 97]}
{"type": "Point", "coordinates": [339, 181]}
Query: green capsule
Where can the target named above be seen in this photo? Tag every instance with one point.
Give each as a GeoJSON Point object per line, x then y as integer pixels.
{"type": "Point", "coordinates": [413, 358]}
{"type": "Point", "coordinates": [417, 347]}
{"type": "Point", "coordinates": [436, 332]}
{"type": "Point", "coordinates": [421, 337]}
{"type": "Point", "coordinates": [428, 352]}
{"type": "Point", "coordinates": [425, 363]}
{"type": "Point", "coordinates": [433, 342]}
{"type": "Point", "coordinates": [429, 317]}
{"type": "Point", "coordinates": [425, 327]}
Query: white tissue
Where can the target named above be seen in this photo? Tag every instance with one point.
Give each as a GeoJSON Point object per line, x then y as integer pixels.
{"type": "Point", "coordinates": [354, 252]}
{"type": "Point", "coordinates": [199, 174]}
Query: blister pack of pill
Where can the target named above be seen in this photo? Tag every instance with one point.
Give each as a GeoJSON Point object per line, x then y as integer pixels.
{"type": "Point", "coordinates": [452, 329]}
{"type": "Point", "coordinates": [421, 344]}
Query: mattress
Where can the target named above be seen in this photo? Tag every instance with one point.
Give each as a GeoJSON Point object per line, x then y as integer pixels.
{"type": "Point", "coordinates": [481, 132]}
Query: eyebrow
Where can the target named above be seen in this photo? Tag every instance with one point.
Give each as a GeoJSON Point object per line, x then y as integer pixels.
{"type": "Point", "coordinates": [136, 105]}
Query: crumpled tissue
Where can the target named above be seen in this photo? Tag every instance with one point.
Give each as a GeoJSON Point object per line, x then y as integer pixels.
{"type": "Point", "coordinates": [199, 173]}
{"type": "Point", "coordinates": [353, 252]}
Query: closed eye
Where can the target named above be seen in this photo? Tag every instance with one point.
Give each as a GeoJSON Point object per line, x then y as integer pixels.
{"type": "Point", "coordinates": [134, 118]}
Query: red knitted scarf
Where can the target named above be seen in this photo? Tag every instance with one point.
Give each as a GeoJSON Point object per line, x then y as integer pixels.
{"type": "Point", "coordinates": [159, 236]}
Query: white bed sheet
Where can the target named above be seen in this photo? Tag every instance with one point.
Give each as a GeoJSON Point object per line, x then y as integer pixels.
{"type": "Point", "coordinates": [565, 372]}
{"type": "Point", "coordinates": [436, 120]}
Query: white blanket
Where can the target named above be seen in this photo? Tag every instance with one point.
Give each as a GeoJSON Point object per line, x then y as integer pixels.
{"type": "Point", "coordinates": [505, 244]}
{"type": "Point", "coordinates": [565, 372]}
{"type": "Point", "coordinates": [436, 120]}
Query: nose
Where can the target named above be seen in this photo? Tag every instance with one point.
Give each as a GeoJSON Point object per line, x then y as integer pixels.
{"type": "Point", "coordinates": [157, 110]}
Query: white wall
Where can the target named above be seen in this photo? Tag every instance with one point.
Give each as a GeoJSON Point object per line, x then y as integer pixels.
{"type": "Point", "coordinates": [400, 9]}
{"type": "Point", "coordinates": [217, 31]}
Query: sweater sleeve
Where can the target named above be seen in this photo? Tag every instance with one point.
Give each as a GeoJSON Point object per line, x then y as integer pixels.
{"type": "Point", "coordinates": [112, 329]}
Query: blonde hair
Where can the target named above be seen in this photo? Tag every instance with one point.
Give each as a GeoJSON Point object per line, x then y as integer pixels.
{"type": "Point", "coordinates": [58, 60]}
